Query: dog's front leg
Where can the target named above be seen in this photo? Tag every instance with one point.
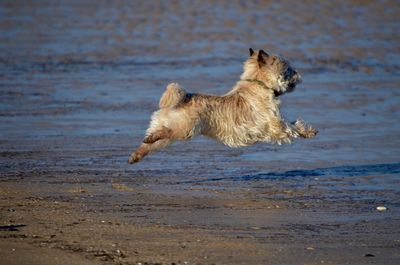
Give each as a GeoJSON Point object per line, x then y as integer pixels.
{"type": "Point", "coordinates": [279, 131]}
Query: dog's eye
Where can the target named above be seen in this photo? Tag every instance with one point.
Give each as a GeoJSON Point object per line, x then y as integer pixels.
{"type": "Point", "coordinates": [288, 72]}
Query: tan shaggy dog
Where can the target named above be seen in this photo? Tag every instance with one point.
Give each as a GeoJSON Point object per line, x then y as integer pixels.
{"type": "Point", "coordinates": [247, 114]}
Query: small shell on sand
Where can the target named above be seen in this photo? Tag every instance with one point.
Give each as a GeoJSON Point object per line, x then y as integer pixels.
{"type": "Point", "coordinates": [381, 208]}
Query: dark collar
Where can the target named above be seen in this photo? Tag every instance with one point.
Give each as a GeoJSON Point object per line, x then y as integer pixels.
{"type": "Point", "coordinates": [261, 83]}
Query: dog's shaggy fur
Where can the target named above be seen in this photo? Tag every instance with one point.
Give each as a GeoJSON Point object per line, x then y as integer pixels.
{"type": "Point", "coordinates": [247, 114]}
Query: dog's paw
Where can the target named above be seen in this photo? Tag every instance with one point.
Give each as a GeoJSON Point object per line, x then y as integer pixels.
{"type": "Point", "coordinates": [134, 158]}
{"type": "Point", "coordinates": [310, 133]}
{"type": "Point", "coordinates": [305, 130]}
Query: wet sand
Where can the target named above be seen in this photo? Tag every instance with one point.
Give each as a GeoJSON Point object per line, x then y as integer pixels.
{"type": "Point", "coordinates": [78, 83]}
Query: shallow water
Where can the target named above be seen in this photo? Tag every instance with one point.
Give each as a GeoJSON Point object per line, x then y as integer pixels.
{"type": "Point", "coordinates": [77, 78]}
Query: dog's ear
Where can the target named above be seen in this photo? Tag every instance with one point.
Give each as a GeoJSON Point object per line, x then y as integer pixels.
{"type": "Point", "coordinates": [260, 58]}
{"type": "Point", "coordinates": [251, 51]}
{"type": "Point", "coordinates": [264, 53]}
{"type": "Point", "coordinates": [265, 58]}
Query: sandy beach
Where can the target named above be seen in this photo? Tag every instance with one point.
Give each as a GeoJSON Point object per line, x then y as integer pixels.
{"type": "Point", "coordinates": [79, 81]}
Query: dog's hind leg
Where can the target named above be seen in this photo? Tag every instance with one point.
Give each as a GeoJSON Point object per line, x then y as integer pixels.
{"type": "Point", "coordinates": [146, 148]}
{"type": "Point", "coordinates": [163, 133]}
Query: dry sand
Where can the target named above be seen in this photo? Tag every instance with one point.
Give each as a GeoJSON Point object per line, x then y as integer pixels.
{"type": "Point", "coordinates": [79, 81]}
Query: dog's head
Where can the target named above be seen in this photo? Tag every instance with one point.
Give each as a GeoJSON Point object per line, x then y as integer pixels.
{"type": "Point", "coordinates": [274, 71]}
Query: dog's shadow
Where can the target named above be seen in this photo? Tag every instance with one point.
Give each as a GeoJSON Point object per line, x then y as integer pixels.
{"type": "Point", "coordinates": [340, 171]}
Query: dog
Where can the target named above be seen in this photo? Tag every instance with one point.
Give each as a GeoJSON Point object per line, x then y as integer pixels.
{"type": "Point", "coordinates": [247, 114]}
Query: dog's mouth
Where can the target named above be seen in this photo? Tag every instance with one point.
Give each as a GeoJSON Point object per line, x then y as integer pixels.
{"type": "Point", "coordinates": [291, 87]}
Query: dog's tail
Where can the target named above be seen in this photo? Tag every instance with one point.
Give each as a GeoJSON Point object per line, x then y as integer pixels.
{"type": "Point", "coordinates": [172, 96]}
